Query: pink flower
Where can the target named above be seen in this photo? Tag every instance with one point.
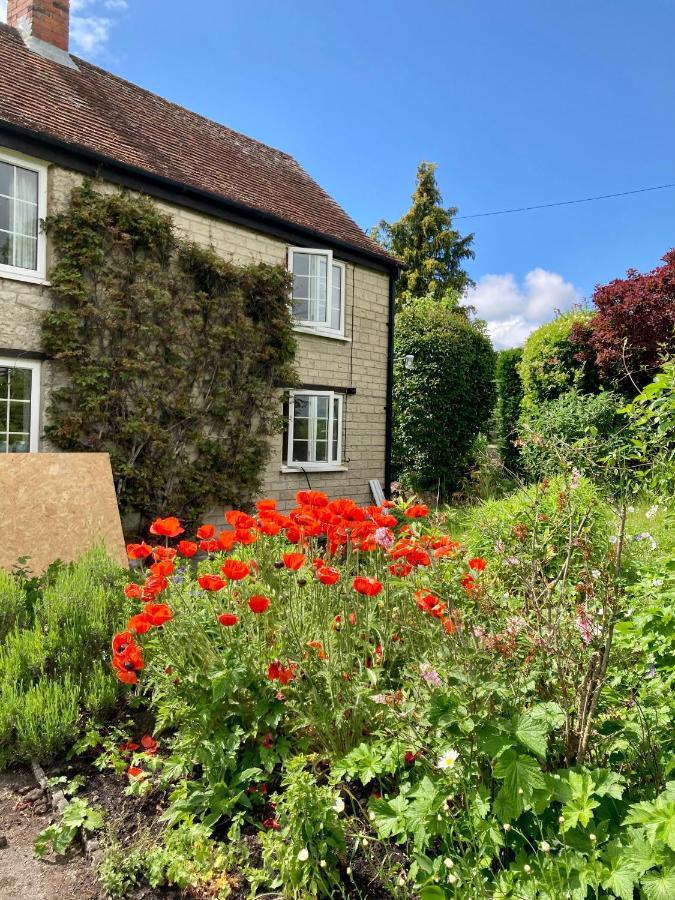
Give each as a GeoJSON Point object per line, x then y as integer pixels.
{"type": "Point", "coordinates": [430, 675]}
{"type": "Point", "coordinates": [384, 538]}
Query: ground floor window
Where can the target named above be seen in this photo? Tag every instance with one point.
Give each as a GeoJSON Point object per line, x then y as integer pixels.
{"type": "Point", "coordinates": [314, 430]}
{"type": "Point", "coordinates": [19, 405]}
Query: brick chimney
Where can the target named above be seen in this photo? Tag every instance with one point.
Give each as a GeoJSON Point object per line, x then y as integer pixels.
{"type": "Point", "coordinates": [45, 20]}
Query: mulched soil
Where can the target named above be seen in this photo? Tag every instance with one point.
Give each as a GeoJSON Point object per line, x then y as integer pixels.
{"type": "Point", "coordinates": [24, 812]}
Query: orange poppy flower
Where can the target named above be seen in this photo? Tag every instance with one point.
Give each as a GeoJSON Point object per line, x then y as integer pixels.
{"type": "Point", "coordinates": [418, 557]}
{"type": "Point", "coordinates": [158, 613]}
{"type": "Point", "coordinates": [235, 569]}
{"type": "Point", "coordinates": [228, 619]}
{"type": "Point", "coordinates": [294, 561]}
{"type": "Point", "coordinates": [155, 584]}
{"type": "Point", "coordinates": [121, 641]}
{"type": "Point", "coordinates": [418, 511]}
{"type": "Point", "coordinates": [169, 527]}
{"type": "Point", "coordinates": [468, 583]}
{"type": "Point", "coordinates": [204, 532]}
{"type": "Point", "coordinates": [130, 660]}
{"type": "Point", "coordinates": [211, 582]}
{"type": "Point", "coordinates": [209, 546]}
{"type": "Point", "coordinates": [258, 604]}
{"type": "Point", "coordinates": [312, 498]}
{"type": "Point", "coordinates": [133, 591]}
{"type": "Point", "coordinates": [400, 569]}
{"type": "Point", "coordinates": [277, 672]}
{"type": "Point", "coordinates": [140, 623]}
{"type": "Point", "coordinates": [328, 575]}
{"type": "Point", "coordinates": [135, 772]}
{"type": "Point", "coordinates": [238, 519]}
{"type": "Point", "coordinates": [448, 626]}
{"type": "Point", "coordinates": [160, 553]}
{"type": "Point", "coordinates": [138, 551]}
{"type": "Point", "coordinates": [318, 646]}
{"type": "Point", "coordinates": [266, 505]}
{"type": "Point", "coordinates": [369, 587]}
{"type": "Point", "coordinates": [477, 564]}
{"type": "Point", "coordinates": [163, 567]}
{"type": "Point", "coordinates": [270, 528]}
{"type": "Point", "coordinates": [245, 536]}
{"type": "Point", "coordinates": [187, 549]}
{"type": "Point", "coordinates": [226, 540]}
{"type": "Point", "coordinates": [149, 744]}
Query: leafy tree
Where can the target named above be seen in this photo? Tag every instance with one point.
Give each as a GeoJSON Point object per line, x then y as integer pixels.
{"type": "Point", "coordinates": [171, 356]}
{"type": "Point", "coordinates": [633, 328]}
{"type": "Point", "coordinates": [509, 398]}
{"type": "Point", "coordinates": [441, 403]}
{"type": "Point", "coordinates": [432, 250]}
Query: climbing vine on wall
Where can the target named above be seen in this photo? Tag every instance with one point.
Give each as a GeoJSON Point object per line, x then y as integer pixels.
{"type": "Point", "coordinates": [170, 355]}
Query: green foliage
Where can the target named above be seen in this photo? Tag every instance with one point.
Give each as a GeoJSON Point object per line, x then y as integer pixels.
{"type": "Point", "coordinates": [442, 403]}
{"type": "Point", "coordinates": [509, 399]}
{"type": "Point", "coordinates": [574, 429]}
{"type": "Point", "coordinates": [172, 355]}
{"type": "Point", "coordinates": [550, 365]}
{"type": "Point", "coordinates": [13, 604]}
{"type": "Point", "coordinates": [431, 248]}
{"type": "Point", "coordinates": [77, 818]}
{"type": "Point", "coordinates": [652, 417]}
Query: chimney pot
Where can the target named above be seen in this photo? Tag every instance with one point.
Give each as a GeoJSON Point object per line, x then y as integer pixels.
{"type": "Point", "coordinates": [45, 20]}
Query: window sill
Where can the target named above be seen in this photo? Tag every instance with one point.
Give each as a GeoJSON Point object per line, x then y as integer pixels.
{"type": "Point", "coordinates": [315, 332]}
{"type": "Point", "coordinates": [297, 470]}
{"type": "Point", "coordinates": [26, 278]}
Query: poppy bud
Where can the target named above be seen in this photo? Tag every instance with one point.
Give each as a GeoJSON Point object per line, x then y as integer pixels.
{"type": "Point", "coordinates": [302, 582]}
{"type": "Point", "coordinates": [278, 564]}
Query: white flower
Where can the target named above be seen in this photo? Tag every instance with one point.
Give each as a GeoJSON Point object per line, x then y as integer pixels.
{"type": "Point", "coordinates": [595, 573]}
{"type": "Point", "coordinates": [652, 511]}
{"type": "Point", "coordinates": [323, 864]}
{"type": "Point", "coordinates": [303, 855]}
{"type": "Point", "coordinates": [507, 826]}
{"type": "Point", "coordinates": [448, 759]}
{"type": "Point", "coordinates": [527, 869]}
{"type": "Point", "coordinates": [545, 846]}
{"type": "Point", "coordinates": [657, 582]}
{"type": "Point", "coordinates": [339, 805]}
{"type": "Point", "coordinates": [448, 863]}
{"type": "Point", "coordinates": [452, 878]}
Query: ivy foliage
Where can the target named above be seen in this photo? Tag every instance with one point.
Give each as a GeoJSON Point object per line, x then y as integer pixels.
{"type": "Point", "coordinates": [441, 403]}
{"type": "Point", "coordinates": [509, 399]}
{"type": "Point", "coordinates": [170, 355]}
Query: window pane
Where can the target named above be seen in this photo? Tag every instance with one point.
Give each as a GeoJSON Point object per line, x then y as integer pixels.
{"type": "Point", "coordinates": [321, 451]}
{"type": "Point", "coordinates": [26, 185]}
{"type": "Point", "coordinates": [20, 382]}
{"type": "Point", "coordinates": [301, 429]}
{"type": "Point", "coordinates": [300, 451]}
{"type": "Point", "coordinates": [5, 213]}
{"type": "Point", "coordinates": [5, 248]}
{"type": "Point", "coordinates": [19, 416]}
{"type": "Point", "coordinates": [321, 429]}
{"type": "Point", "coordinates": [301, 263]}
{"type": "Point", "coordinates": [25, 252]}
{"type": "Point", "coordinates": [19, 443]}
{"type": "Point", "coordinates": [310, 287]}
{"type": "Point", "coordinates": [336, 299]}
{"type": "Point", "coordinates": [322, 407]}
{"type": "Point", "coordinates": [4, 386]}
{"type": "Point", "coordinates": [6, 178]}
{"type": "Point", "coordinates": [25, 219]}
{"type": "Point", "coordinates": [336, 428]}
{"type": "Point", "coordinates": [301, 407]}
{"type": "Point", "coordinates": [300, 287]}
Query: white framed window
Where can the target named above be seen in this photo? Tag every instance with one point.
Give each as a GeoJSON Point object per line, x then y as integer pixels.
{"type": "Point", "coordinates": [318, 295]}
{"type": "Point", "coordinates": [23, 204]}
{"type": "Point", "coordinates": [314, 433]}
{"type": "Point", "coordinates": [19, 405]}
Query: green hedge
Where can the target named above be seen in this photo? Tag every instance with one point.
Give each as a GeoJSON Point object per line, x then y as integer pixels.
{"type": "Point", "coordinates": [509, 399]}
{"type": "Point", "coordinates": [443, 402]}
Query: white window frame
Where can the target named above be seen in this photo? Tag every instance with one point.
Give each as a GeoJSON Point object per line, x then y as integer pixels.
{"type": "Point", "coordinates": [319, 328]}
{"type": "Point", "coordinates": [332, 465]}
{"type": "Point", "coordinates": [16, 362]}
{"type": "Point", "coordinates": [38, 275]}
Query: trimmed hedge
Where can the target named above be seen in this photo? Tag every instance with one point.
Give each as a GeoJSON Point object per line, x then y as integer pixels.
{"type": "Point", "coordinates": [444, 401]}
{"type": "Point", "coordinates": [509, 399]}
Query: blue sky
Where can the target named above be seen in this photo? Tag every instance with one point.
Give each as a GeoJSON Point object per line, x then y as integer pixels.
{"type": "Point", "coordinates": [519, 103]}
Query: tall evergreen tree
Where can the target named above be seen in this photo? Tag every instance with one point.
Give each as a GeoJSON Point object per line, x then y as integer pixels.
{"type": "Point", "coordinates": [431, 248]}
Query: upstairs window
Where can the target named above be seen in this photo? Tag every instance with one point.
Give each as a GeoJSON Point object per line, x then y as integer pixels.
{"type": "Point", "coordinates": [22, 205]}
{"type": "Point", "coordinates": [19, 406]}
{"type": "Point", "coordinates": [318, 291]}
{"type": "Point", "coordinates": [314, 436]}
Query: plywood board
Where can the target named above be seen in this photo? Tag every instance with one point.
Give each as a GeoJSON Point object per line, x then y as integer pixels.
{"type": "Point", "coordinates": [57, 506]}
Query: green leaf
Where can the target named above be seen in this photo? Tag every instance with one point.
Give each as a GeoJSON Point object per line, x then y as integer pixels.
{"type": "Point", "coordinates": [620, 875]}
{"type": "Point", "coordinates": [608, 783]}
{"type": "Point", "coordinates": [657, 817]}
{"type": "Point", "coordinates": [659, 885]}
{"type": "Point", "coordinates": [532, 732]}
{"type": "Point", "coordinates": [432, 892]}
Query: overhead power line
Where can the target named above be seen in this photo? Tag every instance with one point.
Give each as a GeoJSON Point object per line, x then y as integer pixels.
{"type": "Point", "coordinates": [503, 212]}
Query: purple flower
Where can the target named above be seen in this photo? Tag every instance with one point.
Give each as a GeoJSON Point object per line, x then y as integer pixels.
{"type": "Point", "coordinates": [430, 675]}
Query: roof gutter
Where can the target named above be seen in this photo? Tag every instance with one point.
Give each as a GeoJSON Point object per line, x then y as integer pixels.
{"type": "Point", "coordinates": [94, 164]}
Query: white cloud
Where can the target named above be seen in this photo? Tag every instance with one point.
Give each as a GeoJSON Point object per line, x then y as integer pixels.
{"type": "Point", "coordinates": [91, 22]}
{"type": "Point", "coordinates": [512, 311]}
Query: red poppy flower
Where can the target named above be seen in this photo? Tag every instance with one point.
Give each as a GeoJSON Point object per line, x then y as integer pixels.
{"type": "Point", "coordinates": [477, 564]}
{"type": "Point", "coordinates": [155, 584]}
{"type": "Point", "coordinates": [211, 582]}
{"type": "Point", "coordinates": [204, 532]}
{"type": "Point", "coordinates": [271, 824]}
{"type": "Point", "coordinates": [318, 646]}
{"type": "Point", "coordinates": [135, 772]}
{"type": "Point", "coordinates": [209, 546]}
{"type": "Point", "coordinates": [448, 626]}
{"type": "Point", "coordinates": [293, 534]}
{"type": "Point", "coordinates": [163, 567]}
{"type": "Point", "coordinates": [187, 549]}
{"type": "Point", "coordinates": [235, 569]}
{"type": "Point", "coordinates": [127, 663]}
{"type": "Point", "coordinates": [388, 504]}
{"type": "Point", "coordinates": [312, 498]}
{"type": "Point", "coordinates": [328, 575]}
{"type": "Point", "coordinates": [121, 641]}
{"type": "Point", "coordinates": [277, 672]}
{"type": "Point", "coordinates": [159, 553]}
{"type": "Point", "coordinates": [245, 536]}
{"type": "Point", "coordinates": [468, 582]}
{"type": "Point", "coordinates": [271, 529]}
{"type": "Point", "coordinates": [127, 677]}
{"type": "Point", "coordinates": [239, 519]}
{"type": "Point", "coordinates": [228, 619]}
{"type": "Point", "coordinates": [418, 557]}
{"type": "Point", "coordinates": [226, 540]}
{"type": "Point", "coordinates": [410, 757]}
{"type": "Point", "coordinates": [258, 604]}
{"type": "Point", "coordinates": [140, 623]}
{"type": "Point", "coordinates": [400, 569]}
{"type": "Point", "coordinates": [369, 587]}
{"type": "Point", "coordinates": [133, 591]}
{"type": "Point", "coordinates": [128, 747]}
{"type": "Point", "coordinates": [418, 511]}
{"type": "Point", "coordinates": [169, 527]}
{"type": "Point", "coordinates": [138, 551]}
{"type": "Point", "coordinates": [266, 505]}
{"type": "Point", "coordinates": [294, 561]}
{"type": "Point", "coordinates": [149, 744]}
{"type": "Point", "coordinates": [158, 613]}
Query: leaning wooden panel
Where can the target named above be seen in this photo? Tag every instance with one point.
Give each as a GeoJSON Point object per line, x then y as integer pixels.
{"type": "Point", "coordinates": [57, 506]}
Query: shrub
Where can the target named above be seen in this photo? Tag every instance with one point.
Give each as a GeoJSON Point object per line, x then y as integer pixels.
{"type": "Point", "coordinates": [550, 365]}
{"type": "Point", "coordinates": [441, 404]}
{"type": "Point", "coordinates": [509, 398]}
{"type": "Point", "coordinates": [633, 326]}
{"type": "Point", "coordinates": [578, 429]}
{"type": "Point", "coordinates": [652, 418]}
{"type": "Point", "coordinates": [13, 605]}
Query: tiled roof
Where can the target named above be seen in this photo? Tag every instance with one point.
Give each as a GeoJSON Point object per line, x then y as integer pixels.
{"type": "Point", "coordinates": [95, 111]}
